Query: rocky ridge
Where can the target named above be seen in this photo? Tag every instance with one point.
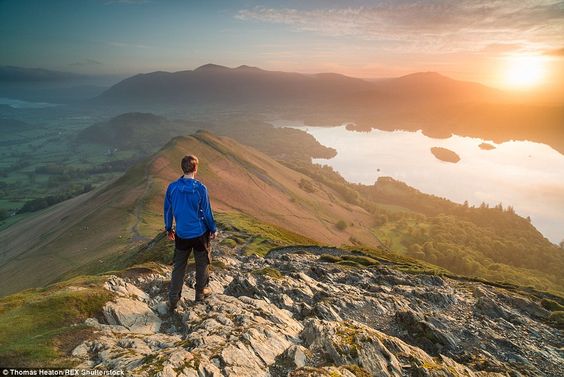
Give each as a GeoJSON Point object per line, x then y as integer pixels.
{"type": "Point", "coordinates": [295, 313]}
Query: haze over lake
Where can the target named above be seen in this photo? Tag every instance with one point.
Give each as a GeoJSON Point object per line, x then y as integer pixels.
{"type": "Point", "coordinates": [528, 176]}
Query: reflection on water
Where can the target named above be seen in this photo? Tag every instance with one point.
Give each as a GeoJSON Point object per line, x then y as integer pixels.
{"type": "Point", "coordinates": [529, 176]}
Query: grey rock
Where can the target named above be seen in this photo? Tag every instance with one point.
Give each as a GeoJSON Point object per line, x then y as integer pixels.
{"type": "Point", "coordinates": [135, 315]}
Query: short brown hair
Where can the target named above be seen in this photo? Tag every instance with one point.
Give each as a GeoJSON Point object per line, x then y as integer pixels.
{"type": "Point", "coordinates": [189, 164]}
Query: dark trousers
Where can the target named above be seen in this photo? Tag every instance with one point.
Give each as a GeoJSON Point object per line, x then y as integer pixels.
{"type": "Point", "coordinates": [202, 255]}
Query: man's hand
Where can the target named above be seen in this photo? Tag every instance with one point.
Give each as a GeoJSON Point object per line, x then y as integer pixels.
{"type": "Point", "coordinates": [170, 235]}
{"type": "Point", "coordinates": [214, 235]}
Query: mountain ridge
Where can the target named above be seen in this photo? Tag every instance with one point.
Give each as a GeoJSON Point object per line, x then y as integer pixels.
{"type": "Point", "coordinates": [320, 86]}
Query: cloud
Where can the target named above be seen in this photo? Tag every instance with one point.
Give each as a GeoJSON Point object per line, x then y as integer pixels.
{"type": "Point", "coordinates": [502, 48]}
{"type": "Point", "coordinates": [85, 63]}
{"type": "Point", "coordinates": [559, 52]}
{"type": "Point", "coordinates": [424, 25]}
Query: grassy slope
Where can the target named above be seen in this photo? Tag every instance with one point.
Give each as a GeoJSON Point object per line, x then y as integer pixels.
{"type": "Point", "coordinates": [243, 180]}
{"type": "Point", "coordinates": [35, 325]}
{"type": "Point", "coordinates": [39, 249]}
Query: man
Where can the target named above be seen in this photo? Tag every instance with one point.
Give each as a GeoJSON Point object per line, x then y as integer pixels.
{"type": "Point", "coordinates": [188, 202]}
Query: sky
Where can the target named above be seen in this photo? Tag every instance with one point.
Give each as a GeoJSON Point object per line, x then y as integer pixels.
{"type": "Point", "coordinates": [495, 42]}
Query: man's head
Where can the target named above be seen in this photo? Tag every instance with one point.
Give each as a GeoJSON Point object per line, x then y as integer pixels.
{"type": "Point", "coordinates": [189, 164]}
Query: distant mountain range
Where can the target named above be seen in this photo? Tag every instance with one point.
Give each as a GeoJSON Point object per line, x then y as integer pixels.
{"type": "Point", "coordinates": [45, 85]}
{"type": "Point", "coordinates": [427, 101]}
{"type": "Point", "coordinates": [212, 83]}
{"type": "Point", "coordinates": [12, 74]}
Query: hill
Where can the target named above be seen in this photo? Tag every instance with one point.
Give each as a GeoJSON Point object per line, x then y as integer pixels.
{"type": "Point", "coordinates": [145, 133]}
{"type": "Point", "coordinates": [141, 131]}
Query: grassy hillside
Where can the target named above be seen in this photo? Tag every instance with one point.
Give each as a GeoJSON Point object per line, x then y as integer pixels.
{"type": "Point", "coordinates": [38, 249]}
{"type": "Point", "coordinates": [243, 180]}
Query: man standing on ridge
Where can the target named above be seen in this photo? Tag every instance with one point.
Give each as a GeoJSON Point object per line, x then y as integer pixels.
{"type": "Point", "coordinates": [188, 202]}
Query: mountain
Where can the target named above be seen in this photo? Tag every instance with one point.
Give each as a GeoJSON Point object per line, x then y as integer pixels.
{"type": "Point", "coordinates": [12, 74]}
{"type": "Point", "coordinates": [422, 89]}
{"type": "Point", "coordinates": [55, 87]}
{"type": "Point", "coordinates": [142, 131]}
{"type": "Point", "coordinates": [251, 86]}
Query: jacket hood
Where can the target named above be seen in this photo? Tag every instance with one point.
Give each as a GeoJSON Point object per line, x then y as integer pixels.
{"type": "Point", "coordinates": [187, 184]}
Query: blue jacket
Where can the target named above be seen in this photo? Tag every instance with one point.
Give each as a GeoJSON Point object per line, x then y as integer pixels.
{"type": "Point", "coordinates": [187, 200]}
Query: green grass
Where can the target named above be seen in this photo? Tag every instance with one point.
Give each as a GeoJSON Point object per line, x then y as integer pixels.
{"type": "Point", "coordinates": [259, 246]}
{"type": "Point", "coordinates": [349, 263]}
{"type": "Point", "coordinates": [361, 259]}
{"type": "Point", "coordinates": [330, 258]}
{"type": "Point", "coordinates": [269, 271]}
{"type": "Point", "coordinates": [259, 237]}
{"type": "Point", "coordinates": [229, 242]}
{"type": "Point", "coordinates": [36, 324]}
{"type": "Point", "coordinates": [557, 319]}
{"type": "Point", "coordinates": [552, 305]}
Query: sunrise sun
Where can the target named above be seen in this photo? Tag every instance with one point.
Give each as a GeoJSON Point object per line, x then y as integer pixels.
{"type": "Point", "coordinates": [522, 72]}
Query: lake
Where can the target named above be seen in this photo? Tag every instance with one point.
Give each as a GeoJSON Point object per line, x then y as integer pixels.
{"type": "Point", "coordinates": [526, 175]}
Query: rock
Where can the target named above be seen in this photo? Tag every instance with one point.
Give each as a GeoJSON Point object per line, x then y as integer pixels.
{"type": "Point", "coordinates": [241, 360]}
{"type": "Point", "coordinates": [364, 351]}
{"type": "Point", "coordinates": [318, 319]}
{"type": "Point", "coordinates": [136, 316]}
{"type": "Point", "coordinates": [439, 299]}
{"type": "Point", "coordinates": [426, 333]}
{"type": "Point", "coordinates": [529, 307]}
{"type": "Point", "coordinates": [350, 343]}
{"type": "Point", "coordinates": [122, 288]}
{"type": "Point", "coordinates": [162, 308]}
{"type": "Point", "coordinates": [297, 355]}
{"type": "Point", "coordinates": [81, 350]}
{"type": "Point", "coordinates": [488, 307]}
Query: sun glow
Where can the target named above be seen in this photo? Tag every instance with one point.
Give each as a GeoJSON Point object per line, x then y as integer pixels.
{"type": "Point", "coordinates": [522, 72]}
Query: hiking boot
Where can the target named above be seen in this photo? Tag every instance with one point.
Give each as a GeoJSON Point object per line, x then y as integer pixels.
{"type": "Point", "coordinates": [171, 306]}
{"type": "Point", "coordinates": [200, 296]}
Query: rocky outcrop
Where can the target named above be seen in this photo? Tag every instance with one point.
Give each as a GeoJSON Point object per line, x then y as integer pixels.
{"type": "Point", "coordinates": [291, 314]}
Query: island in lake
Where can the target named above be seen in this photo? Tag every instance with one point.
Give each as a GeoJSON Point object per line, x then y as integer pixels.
{"type": "Point", "coordinates": [357, 128]}
{"type": "Point", "coordinates": [444, 154]}
{"type": "Point", "coordinates": [486, 146]}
